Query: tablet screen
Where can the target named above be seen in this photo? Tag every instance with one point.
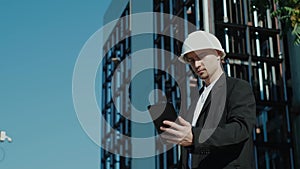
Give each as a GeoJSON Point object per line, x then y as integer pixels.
{"type": "Point", "coordinates": [160, 112]}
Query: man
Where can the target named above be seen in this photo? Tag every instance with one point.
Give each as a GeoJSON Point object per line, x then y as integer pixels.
{"type": "Point", "coordinates": [216, 132]}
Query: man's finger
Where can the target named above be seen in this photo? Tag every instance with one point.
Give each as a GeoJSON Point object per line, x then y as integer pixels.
{"type": "Point", "coordinates": [183, 122]}
{"type": "Point", "coordinates": [169, 131]}
{"type": "Point", "coordinates": [172, 124]}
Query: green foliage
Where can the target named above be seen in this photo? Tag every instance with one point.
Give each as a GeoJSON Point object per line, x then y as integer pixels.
{"type": "Point", "coordinates": [289, 14]}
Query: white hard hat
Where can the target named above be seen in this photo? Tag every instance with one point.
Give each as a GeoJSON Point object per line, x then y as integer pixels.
{"type": "Point", "coordinates": [199, 40]}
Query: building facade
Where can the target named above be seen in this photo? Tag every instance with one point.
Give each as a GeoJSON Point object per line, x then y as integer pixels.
{"type": "Point", "coordinates": [255, 52]}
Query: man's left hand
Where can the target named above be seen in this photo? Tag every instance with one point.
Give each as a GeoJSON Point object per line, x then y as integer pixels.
{"type": "Point", "coordinates": [178, 133]}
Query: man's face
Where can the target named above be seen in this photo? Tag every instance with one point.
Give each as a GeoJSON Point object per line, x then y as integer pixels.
{"type": "Point", "coordinates": [204, 62]}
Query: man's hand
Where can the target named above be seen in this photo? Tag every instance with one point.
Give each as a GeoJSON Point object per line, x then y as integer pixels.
{"type": "Point", "coordinates": [178, 133]}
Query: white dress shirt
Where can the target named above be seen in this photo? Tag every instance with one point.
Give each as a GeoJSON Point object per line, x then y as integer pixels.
{"type": "Point", "coordinates": [202, 100]}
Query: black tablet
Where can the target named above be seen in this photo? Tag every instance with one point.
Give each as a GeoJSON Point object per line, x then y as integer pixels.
{"type": "Point", "coordinates": [160, 112]}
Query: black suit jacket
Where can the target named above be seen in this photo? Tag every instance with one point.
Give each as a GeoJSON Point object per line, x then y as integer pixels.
{"type": "Point", "coordinates": [231, 145]}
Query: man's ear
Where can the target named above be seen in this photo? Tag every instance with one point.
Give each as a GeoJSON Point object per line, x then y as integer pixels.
{"type": "Point", "coordinates": [219, 53]}
{"type": "Point", "coordinates": [220, 56]}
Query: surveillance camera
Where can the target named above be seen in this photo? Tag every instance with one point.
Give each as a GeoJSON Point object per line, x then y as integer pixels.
{"type": "Point", "coordinates": [9, 139]}
{"type": "Point", "coordinates": [3, 137]}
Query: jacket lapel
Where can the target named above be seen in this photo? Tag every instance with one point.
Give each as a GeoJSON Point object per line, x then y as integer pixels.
{"type": "Point", "coordinates": [205, 109]}
{"type": "Point", "coordinates": [190, 114]}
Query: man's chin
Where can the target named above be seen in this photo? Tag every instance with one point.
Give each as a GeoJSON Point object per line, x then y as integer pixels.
{"type": "Point", "coordinates": [203, 76]}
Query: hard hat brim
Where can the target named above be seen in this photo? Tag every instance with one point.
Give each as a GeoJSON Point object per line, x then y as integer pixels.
{"type": "Point", "coordinates": [181, 58]}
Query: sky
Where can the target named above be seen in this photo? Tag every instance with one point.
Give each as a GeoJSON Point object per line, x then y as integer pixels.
{"type": "Point", "coordinates": [40, 41]}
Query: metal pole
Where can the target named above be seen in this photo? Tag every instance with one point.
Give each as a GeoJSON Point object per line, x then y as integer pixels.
{"type": "Point", "coordinates": [205, 15]}
{"type": "Point", "coordinates": [226, 34]}
{"type": "Point", "coordinates": [247, 41]}
{"type": "Point", "coordinates": [197, 10]}
{"type": "Point", "coordinates": [258, 53]}
{"type": "Point", "coordinates": [269, 23]}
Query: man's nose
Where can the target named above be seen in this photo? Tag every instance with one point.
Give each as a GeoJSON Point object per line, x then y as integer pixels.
{"type": "Point", "coordinates": [198, 63]}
